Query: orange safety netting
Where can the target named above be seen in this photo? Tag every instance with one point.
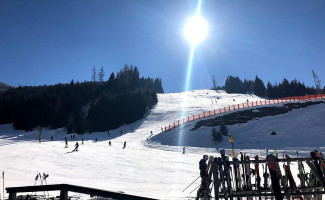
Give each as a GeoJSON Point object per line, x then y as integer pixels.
{"type": "Point", "coordinates": [241, 106]}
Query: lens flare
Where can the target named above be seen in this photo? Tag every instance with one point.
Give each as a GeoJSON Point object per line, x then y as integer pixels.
{"type": "Point", "coordinates": [196, 29]}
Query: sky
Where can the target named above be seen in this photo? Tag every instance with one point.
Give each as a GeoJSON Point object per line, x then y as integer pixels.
{"type": "Point", "coordinates": [48, 42]}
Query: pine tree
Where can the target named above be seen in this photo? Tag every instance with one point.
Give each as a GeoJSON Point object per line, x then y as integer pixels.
{"type": "Point", "coordinates": [259, 88]}
{"type": "Point", "coordinates": [93, 76]}
{"type": "Point", "coordinates": [214, 83]}
{"type": "Point", "coordinates": [223, 129]}
{"type": "Point", "coordinates": [317, 82]}
{"type": "Point", "coordinates": [217, 137]}
{"type": "Point", "coordinates": [101, 74]}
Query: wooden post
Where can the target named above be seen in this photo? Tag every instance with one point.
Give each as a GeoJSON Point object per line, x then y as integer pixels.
{"type": "Point", "coordinates": [12, 196]}
{"type": "Point", "coordinates": [64, 195]}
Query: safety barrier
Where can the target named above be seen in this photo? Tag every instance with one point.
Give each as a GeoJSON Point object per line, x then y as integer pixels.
{"type": "Point", "coordinates": [241, 106]}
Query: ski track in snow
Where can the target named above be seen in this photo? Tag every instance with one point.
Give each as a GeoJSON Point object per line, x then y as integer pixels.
{"type": "Point", "coordinates": [155, 168]}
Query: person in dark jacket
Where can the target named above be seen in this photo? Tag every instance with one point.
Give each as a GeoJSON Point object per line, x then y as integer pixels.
{"type": "Point", "coordinates": [76, 146]}
{"type": "Point", "coordinates": [203, 167]}
{"type": "Point", "coordinates": [204, 176]}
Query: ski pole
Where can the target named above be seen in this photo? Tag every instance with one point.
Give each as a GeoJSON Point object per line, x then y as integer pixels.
{"type": "Point", "coordinates": [195, 188]}
{"type": "Point", "coordinates": [191, 184]}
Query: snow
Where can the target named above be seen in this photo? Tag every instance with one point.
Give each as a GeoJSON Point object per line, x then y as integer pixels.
{"type": "Point", "coordinates": [155, 168]}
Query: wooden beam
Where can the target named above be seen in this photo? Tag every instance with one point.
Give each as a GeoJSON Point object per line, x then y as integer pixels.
{"type": "Point", "coordinates": [64, 188]}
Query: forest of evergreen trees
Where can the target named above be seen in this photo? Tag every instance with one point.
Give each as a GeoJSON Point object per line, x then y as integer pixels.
{"type": "Point", "coordinates": [257, 87]}
{"type": "Point", "coordinates": [81, 107]}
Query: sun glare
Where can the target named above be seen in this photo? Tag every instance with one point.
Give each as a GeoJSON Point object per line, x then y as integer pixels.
{"type": "Point", "coordinates": [195, 29]}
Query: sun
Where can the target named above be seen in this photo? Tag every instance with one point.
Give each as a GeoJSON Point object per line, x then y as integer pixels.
{"type": "Point", "coordinates": [195, 29]}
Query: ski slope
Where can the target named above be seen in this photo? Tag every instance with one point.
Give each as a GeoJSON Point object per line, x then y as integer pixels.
{"type": "Point", "coordinates": [153, 165]}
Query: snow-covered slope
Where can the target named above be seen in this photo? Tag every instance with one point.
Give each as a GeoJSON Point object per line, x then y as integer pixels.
{"type": "Point", "coordinates": [145, 167]}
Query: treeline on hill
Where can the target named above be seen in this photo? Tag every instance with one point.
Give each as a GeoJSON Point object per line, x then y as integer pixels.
{"type": "Point", "coordinates": [257, 87]}
{"type": "Point", "coordinates": [81, 107]}
{"type": "Point", "coordinates": [3, 87]}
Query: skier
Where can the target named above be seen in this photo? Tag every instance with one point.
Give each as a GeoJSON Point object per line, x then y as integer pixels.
{"type": "Point", "coordinates": [76, 146]}
{"type": "Point", "coordinates": [39, 137]}
{"type": "Point", "coordinates": [204, 176]}
{"type": "Point", "coordinates": [183, 150]}
{"type": "Point", "coordinates": [96, 139]}
{"type": "Point", "coordinates": [109, 143]}
{"type": "Point", "coordinates": [82, 140]}
{"type": "Point", "coordinates": [66, 142]}
{"type": "Point", "coordinates": [52, 138]}
{"type": "Point", "coordinates": [124, 145]}
{"type": "Point", "coordinates": [40, 134]}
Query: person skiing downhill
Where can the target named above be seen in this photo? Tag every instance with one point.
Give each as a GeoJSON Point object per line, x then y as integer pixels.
{"type": "Point", "coordinates": [204, 176]}
{"type": "Point", "coordinates": [124, 145]}
{"type": "Point", "coordinates": [76, 146]}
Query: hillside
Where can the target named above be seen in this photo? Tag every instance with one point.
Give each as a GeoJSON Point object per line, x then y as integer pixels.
{"type": "Point", "coordinates": [155, 168]}
{"type": "Point", "coordinates": [81, 107]}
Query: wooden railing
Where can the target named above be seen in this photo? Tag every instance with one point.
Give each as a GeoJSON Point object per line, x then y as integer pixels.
{"type": "Point", "coordinates": [64, 188]}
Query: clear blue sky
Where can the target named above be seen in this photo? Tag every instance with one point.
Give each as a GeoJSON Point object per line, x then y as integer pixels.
{"type": "Point", "coordinates": [52, 41]}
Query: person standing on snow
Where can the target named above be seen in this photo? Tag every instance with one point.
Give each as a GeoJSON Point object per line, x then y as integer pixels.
{"type": "Point", "coordinates": [204, 176]}
{"type": "Point", "coordinates": [66, 142]}
{"type": "Point", "coordinates": [203, 166]}
{"type": "Point", "coordinates": [124, 145]}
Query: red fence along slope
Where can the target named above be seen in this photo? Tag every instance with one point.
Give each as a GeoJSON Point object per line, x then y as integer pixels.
{"type": "Point", "coordinates": [241, 106]}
